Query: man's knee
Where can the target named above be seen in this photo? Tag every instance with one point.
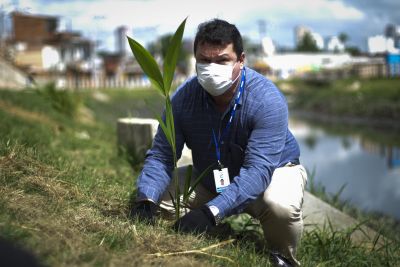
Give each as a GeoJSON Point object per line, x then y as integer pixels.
{"type": "Point", "coordinates": [265, 208]}
{"type": "Point", "coordinates": [283, 211]}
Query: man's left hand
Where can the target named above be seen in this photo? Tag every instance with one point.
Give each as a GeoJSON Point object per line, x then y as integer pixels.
{"type": "Point", "coordinates": [196, 221]}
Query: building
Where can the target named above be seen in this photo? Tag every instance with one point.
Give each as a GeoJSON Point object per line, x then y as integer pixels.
{"type": "Point", "coordinates": [120, 40]}
{"type": "Point", "coordinates": [268, 46]}
{"type": "Point", "coordinates": [389, 42]}
{"type": "Point", "coordinates": [393, 64]}
{"type": "Point", "coordinates": [393, 31]}
{"type": "Point", "coordinates": [31, 51]}
{"type": "Point", "coordinates": [369, 67]}
{"type": "Point", "coordinates": [318, 40]}
{"type": "Point", "coordinates": [380, 44]}
{"type": "Point", "coordinates": [33, 30]}
{"type": "Point", "coordinates": [46, 54]}
{"type": "Point", "coordinates": [283, 66]}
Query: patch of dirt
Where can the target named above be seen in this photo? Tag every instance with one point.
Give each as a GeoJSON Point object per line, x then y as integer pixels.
{"type": "Point", "coordinates": [27, 115]}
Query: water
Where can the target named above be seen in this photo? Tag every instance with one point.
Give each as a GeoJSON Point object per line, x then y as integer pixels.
{"type": "Point", "coordinates": [367, 164]}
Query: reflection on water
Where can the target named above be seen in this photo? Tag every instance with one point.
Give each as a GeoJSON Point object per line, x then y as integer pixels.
{"type": "Point", "coordinates": [390, 153]}
{"type": "Point", "coordinates": [370, 170]}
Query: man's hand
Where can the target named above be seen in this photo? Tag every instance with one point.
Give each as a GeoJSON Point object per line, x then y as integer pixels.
{"type": "Point", "coordinates": [196, 221]}
{"type": "Point", "coordinates": [144, 211]}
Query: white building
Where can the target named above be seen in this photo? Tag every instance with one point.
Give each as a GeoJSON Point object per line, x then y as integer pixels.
{"type": "Point", "coordinates": [290, 64]}
{"type": "Point", "coordinates": [381, 44]}
{"type": "Point", "coordinates": [268, 46]}
{"type": "Point", "coordinates": [318, 40]}
{"type": "Point", "coordinates": [334, 44]}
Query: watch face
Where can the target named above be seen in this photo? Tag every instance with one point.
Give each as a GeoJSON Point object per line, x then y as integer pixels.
{"type": "Point", "coordinates": [214, 210]}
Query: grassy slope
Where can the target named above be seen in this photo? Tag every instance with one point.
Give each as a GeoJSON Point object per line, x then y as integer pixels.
{"type": "Point", "coordinates": [65, 194]}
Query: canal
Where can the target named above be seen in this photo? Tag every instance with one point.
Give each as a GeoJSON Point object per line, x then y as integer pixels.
{"type": "Point", "coordinates": [365, 160]}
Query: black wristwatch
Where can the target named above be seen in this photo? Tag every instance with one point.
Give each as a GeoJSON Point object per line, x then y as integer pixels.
{"type": "Point", "coordinates": [215, 211]}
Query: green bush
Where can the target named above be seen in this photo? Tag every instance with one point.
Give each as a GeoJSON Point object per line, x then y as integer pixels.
{"type": "Point", "coordinates": [63, 101]}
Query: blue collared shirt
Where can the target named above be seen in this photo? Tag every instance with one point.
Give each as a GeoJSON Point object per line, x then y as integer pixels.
{"type": "Point", "coordinates": [257, 143]}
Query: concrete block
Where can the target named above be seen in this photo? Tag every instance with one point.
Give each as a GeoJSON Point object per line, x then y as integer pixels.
{"type": "Point", "coordinates": [135, 135]}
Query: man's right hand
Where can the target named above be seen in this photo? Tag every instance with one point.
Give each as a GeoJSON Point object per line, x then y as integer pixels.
{"type": "Point", "coordinates": [145, 211]}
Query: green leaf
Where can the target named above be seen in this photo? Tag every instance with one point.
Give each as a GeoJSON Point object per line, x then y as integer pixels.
{"type": "Point", "coordinates": [172, 199]}
{"type": "Point", "coordinates": [198, 179]}
{"type": "Point", "coordinates": [165, 130]}
{"type": "Point", "coordinates": [170, 121]}
{"type": "Point", "coordinates": [171, 57]}
{"type": "Point", "coordinates": [188, 178]}
{"type": "Point", "coordinates": [177, 196]}
{"type": "Point", "coordinates": [148, 64]}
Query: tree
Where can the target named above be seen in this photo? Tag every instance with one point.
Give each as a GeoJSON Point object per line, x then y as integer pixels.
{"type": "Point", "coordinates": [343, 37]}
{"type": "Point", "coordinates": [353, 50]}
{"type": "Point", "coordinates": [160, 47]}
{"type": "Point", "coordinates": [307, 44]}
{"type": "Point", "coordinates": [251, 47]}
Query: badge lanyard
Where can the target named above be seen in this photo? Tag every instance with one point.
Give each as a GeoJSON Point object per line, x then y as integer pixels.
{"type": "Point", "coordinates": [228, 125]}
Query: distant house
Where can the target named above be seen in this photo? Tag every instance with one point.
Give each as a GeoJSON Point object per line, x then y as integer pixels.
{"type": "Point", "coordinates": [283, 66]}
{"type": "Point", "coordinates": [29, 38]}
{"type": "Point", "coordinates": [393, 64]}
{"type": "Point", "coordinates": [46, 54]}
{"type": "Point", "coordinates": [370, 68]}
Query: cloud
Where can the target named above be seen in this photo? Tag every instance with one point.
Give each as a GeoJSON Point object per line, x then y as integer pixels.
{"type": "Point", "coordinates": [386, 11]}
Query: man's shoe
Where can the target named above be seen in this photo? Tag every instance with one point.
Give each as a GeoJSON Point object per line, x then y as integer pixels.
{"type": "Point", "coordinates": [279, 261]}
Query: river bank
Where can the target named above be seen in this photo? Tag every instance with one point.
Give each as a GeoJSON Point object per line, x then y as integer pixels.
{"type": "Point", "coordinates": [380, 124]}
{"type": "Point", "coordinates": [375, 130]}
{"type": "Point", "coordinates": [351, 101]}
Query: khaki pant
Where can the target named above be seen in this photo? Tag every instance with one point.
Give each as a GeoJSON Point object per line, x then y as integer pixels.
{"type": "Point", "coordinates": [278, 208]}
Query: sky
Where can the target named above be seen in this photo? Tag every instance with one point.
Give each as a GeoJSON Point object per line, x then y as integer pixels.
{"type": "Point", "coordinates": [148, 19]}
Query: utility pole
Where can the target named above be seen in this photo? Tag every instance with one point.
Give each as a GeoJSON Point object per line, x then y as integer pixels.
{"type": "Point", "coordinates": [96, 19]}
{"type": "Point", "coordinates": [262, 28]}
{"type": "Point", "coordinates": [3, 30]}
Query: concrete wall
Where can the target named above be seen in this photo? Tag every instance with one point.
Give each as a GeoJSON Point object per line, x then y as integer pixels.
{"type": "Point", "coordinates": [11, 77]}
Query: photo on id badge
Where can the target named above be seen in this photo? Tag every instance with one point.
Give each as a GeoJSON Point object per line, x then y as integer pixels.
{"type": "Point", "coordinates": [221, 178]}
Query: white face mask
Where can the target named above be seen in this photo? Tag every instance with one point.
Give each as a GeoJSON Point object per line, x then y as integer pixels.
{"type": "Point", "coordinates": [216, 79]}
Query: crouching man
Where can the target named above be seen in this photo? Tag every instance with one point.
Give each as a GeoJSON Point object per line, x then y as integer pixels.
{"type": "Point", "coordinates": [235, 119]}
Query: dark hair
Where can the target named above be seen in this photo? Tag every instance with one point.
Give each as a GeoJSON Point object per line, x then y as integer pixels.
{"type": "Point", "coordinates": [219, 32]}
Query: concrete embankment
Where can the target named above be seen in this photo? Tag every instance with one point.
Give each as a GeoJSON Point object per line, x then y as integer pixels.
{"type": "Point", "coordinates": [11, 77]}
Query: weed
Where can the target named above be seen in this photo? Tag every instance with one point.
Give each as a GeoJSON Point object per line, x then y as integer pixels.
{"type": "Point", "coordinates": [63, 101]}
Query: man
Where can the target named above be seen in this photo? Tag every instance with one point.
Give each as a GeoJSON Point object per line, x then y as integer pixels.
{"type": "Point", "coordinates": [235, 119]}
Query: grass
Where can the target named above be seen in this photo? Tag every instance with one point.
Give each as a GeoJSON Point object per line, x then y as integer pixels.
{"type": "Point", "coordinates": [371, 98]}
{"type": "Point", "coordinates": [66, 192]}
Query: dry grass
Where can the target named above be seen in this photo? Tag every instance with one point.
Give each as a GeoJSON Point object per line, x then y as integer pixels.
{"type": "Point", "coordinates": [65, 225]}
{"type": "Point", "coordinates": [26, 114]}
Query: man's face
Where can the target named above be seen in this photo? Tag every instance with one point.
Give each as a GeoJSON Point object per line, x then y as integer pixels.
{"type": "Point", "coordinates": [219, 54]}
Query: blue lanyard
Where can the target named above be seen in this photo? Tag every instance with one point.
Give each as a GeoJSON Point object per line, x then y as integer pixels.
{"type": "Point", "coordinates": [228, 125]}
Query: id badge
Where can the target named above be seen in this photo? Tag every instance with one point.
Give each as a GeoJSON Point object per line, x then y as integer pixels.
{"type": "Point", "coordinates": [221, 178]}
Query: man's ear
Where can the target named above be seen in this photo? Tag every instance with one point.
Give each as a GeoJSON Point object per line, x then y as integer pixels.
{"type": "Point", "coordinates": [241, 60]}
